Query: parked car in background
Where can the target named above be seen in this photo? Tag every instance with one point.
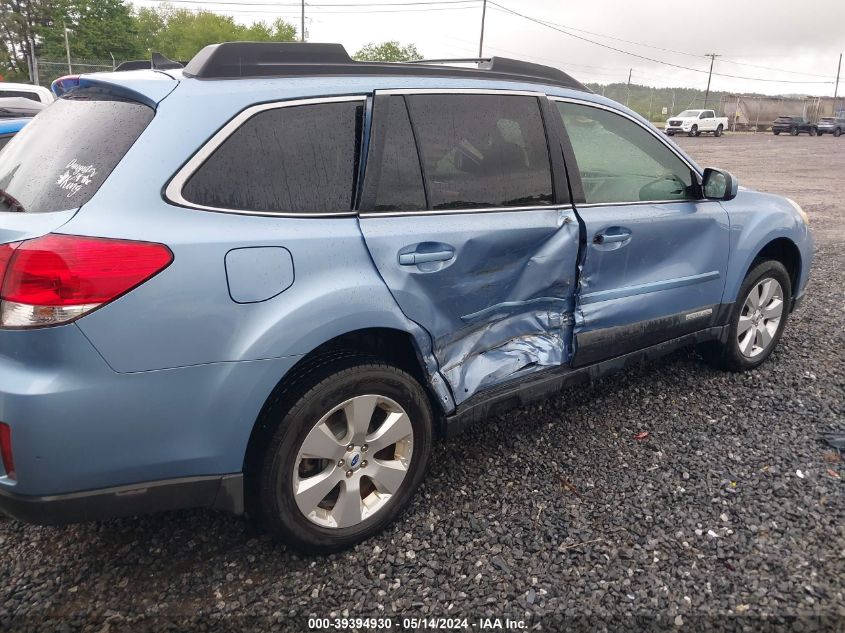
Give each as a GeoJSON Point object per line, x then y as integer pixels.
{"type": "Point", "coordinates": [793, 125]}
{"type": "Point", "coordinates": [8, 129]}
{"type": "Point", "coordinates": [830, 125]}
{"type": "Point", "coordinates": [19, 108]}
{"type": "Point", "coordinates": [27, 91]}
{"type": "Point", "coordinates": [696, 122]}
{"type": "Point", "coordinates": [15, 113]}
{"type": "Point", "coordinates": [464, 240]}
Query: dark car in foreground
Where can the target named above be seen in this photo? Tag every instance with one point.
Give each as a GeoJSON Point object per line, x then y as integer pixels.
{"type": "Point", "coordinates": [831, 125]}
{"type": "Point", "coordinates": [793, 125]}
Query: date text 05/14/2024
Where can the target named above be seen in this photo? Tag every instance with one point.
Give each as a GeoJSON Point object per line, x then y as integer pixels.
{"type": "Point", "coordinates": [416, 624]}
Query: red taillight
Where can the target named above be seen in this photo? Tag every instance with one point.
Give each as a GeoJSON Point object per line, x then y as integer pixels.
{"type": "Point", "coordinates": [57, 278]}
{"type": "Point", "coordinates": [6, 251]}
{"type": "Point", "coordinates": [6, 450]}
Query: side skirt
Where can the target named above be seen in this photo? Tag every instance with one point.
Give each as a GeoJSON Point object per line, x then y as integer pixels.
{"type": "Point", "coordinates": [545, 384]}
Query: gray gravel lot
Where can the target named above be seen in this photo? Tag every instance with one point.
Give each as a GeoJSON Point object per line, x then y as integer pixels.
{"type": "Point", "coordinates": [550, 512]}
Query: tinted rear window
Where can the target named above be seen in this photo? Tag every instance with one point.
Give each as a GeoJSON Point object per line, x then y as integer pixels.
{"type": "Point", "coordinates": [394, 180]}
{"type": "Point", "coordinates": [482, 150]}
{"type": "Point", "coordinates": [60, 159]}
{"type": "Point", "coordinates": [296, 159]}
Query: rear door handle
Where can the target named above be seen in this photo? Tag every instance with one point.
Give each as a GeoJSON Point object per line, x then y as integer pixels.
{"type": "Point", "coordinates": [412, 259]}
{"type": "Point", "coordinates": [611, 238]}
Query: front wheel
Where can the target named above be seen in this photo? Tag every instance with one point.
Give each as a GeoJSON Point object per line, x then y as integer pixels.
{"type": "Point", "coordinates": [757, 320]}
{"type": "Point", "coordinates": [718, 131]}
{"type": "Point", "coordinates": [776, 133]}
{"type": "Point", "coordinates": [670, 133]}
{"type": "Point", "coordinates": [694, 131]}
{"type": "Point", "coordinates": [346, 458]}
{"type": "Point", "coordinates": [813, 131]}
{"type": "Point", "coordinates": [794, 131]}
{"type": "Point", "coordinates": [837, 132]}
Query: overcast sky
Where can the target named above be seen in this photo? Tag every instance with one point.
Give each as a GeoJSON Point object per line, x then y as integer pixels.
{"type": "Point", "coordinates": [782, 40]}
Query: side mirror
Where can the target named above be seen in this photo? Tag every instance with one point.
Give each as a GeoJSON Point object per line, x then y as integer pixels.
{"type": "Point", "coordinates": [718, 185]}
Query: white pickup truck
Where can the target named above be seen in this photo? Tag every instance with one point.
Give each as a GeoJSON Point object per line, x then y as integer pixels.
{"type": "Point", "coordinates": [694, 122]}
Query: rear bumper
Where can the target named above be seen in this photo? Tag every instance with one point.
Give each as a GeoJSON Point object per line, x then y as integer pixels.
{"type": "Point", "coordinates": [77, 425]}
{"type": "Point", "coordinates": [218, 492]}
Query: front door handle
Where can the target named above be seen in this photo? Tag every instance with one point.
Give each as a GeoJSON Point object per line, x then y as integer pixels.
{"type": "Point", "coordinates": [611, 238]}
{"type": "Point", "coordinates": [412, 259]}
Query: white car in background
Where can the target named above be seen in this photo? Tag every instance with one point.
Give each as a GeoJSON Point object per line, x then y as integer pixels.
{"type": "Point", "coordinates": [27, 91]}
{"type": "Point", "coordinates": [694, 122]}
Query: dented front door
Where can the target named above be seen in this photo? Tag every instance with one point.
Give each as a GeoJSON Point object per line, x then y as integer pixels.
{"type": "Point", "coordinates": [482, 255]}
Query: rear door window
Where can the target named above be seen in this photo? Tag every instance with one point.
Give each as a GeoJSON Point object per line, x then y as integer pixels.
{"type": "Point", "coordinates": [482, 151]}
{"type": "Point", "coordinates": [62, 157]}
{"type": "Point", "coordinates": [394, 179]}
{"type": "Point", "coordinates": [295, 159]}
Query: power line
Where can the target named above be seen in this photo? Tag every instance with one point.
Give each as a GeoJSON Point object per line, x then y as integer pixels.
{"type": "Point", "coordinates": [645, 57]}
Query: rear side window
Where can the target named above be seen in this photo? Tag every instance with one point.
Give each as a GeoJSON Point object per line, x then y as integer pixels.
{"type": "Point", "coordinates": [63, 156]}
{"type": "Point", "coordinates": [482, 150]}
{"type": "Point", "coordinates": [394, 179]}
{"type": "Point", "coordinates": [20, 93]}
{"type": "Point", "coordinates": [297, 159]}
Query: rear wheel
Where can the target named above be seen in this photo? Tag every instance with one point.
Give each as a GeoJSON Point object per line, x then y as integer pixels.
{"type": "Point", "coordinates": [837, 132]}
{"type": "Point", "coordinates": [757, 320]}
{"type": "Point", "coordinates": [813, 131]}
{"type": "Point", "coordinates": [718, 131]}
{"type": "Point", "coordinates": [794, 131]}
{"type": "Point", "coordinates": [776, 132]}
{"type": "Point", "coordinates": [670, 133]}
{"type": "Point", "coordinates": [346, 458]}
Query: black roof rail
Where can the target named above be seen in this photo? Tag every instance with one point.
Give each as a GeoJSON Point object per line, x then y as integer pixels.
{"type": "Point", "coordinates": [236, 60]}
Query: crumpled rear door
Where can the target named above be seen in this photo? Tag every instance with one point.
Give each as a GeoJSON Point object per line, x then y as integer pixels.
{"type": "Point", "coordinates": [494, 287]}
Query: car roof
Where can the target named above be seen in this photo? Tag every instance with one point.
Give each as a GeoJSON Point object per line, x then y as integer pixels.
{"type": "Point", "coordinates": [12, 126]}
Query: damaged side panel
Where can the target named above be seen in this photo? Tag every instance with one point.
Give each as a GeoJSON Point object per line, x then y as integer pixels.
{"type": "Point", "coordinates": [494, 290]}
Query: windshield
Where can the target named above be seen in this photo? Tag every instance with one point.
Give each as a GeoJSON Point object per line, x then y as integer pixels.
{"type": "Point", "coordinates": [690, 113]}
{"type": "Point", "coordinates": [60, 159]}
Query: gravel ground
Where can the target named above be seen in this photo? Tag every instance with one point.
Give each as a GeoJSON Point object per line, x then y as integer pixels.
{"type": "Point", "coordinates": [729, 515]}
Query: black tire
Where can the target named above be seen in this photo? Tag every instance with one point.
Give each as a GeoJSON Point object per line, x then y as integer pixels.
{"type": "Point", "coordinates": [718, 131]}
{"type": "Point", "coordinates": [727, 355]}
{"type": "Point", "coordinates": [793, 131]}
{"type": "Point", "coordinates": [813, 132]}
{"type": "Point", "coordinates": [837, 132]}
{"type": "Point", "coordinates": [290, 419]}
{"type": "Point", "coordinates": [819, 133]}
{"type": "Point", "coordinates": [776, 133]}
{"type": "Point", "coordinates": [694, 131]}
{"type": "Point", "coordinates": [670, 133]}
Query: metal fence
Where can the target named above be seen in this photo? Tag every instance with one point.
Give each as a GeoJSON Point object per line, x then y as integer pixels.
{"type": "Point", "coordinates": [51, 69]}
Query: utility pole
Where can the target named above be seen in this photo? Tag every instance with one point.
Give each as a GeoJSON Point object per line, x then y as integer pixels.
{"type": "Point", "coordinates": [650, 102]}
{"type": "Point", "coordinates": [302, 24]}
{"type": "Point", "coordinates": [673, 104]}
{"type": "Point", "coordinates": [481, 39]}
{"type": "Point", "coordinates": [712, 57]}
{"type": "Point", "coordinates": [836, 89]}
{"type": "Point", "coordinates": [67, 50]}
{"type": "Point", "coordinates": [628, 95]}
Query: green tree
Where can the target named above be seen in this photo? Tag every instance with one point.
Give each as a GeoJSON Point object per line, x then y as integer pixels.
{"type": "Point", "coordinates": [388, 52]}
{"type": "Point", "coordinates": [180, 33]}
{"type": "Point", "coordinates": [97, 29]}
{"type": "Point", "coordinates": [21, 22]}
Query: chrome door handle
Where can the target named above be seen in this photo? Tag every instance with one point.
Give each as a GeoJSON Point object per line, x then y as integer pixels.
{"type": "Point", "coordinates": [613, 238]}
{"type": "Point", "coordinates": [412, 259]}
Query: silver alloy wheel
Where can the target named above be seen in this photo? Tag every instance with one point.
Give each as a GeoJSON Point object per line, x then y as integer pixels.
{"type": "Point", "coordinates": [760, 317]}
{"type": "Point", "coordinates": [353, 461]}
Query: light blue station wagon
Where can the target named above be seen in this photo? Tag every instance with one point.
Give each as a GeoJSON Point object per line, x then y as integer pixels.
{"type": "Point", "coordinates": [266, 282]}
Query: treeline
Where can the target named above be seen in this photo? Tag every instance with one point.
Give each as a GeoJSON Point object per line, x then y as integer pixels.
{"type": "Point", "coordinates": [649, 102]}
{"type": "Point", "coordinates": [106, 29]}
